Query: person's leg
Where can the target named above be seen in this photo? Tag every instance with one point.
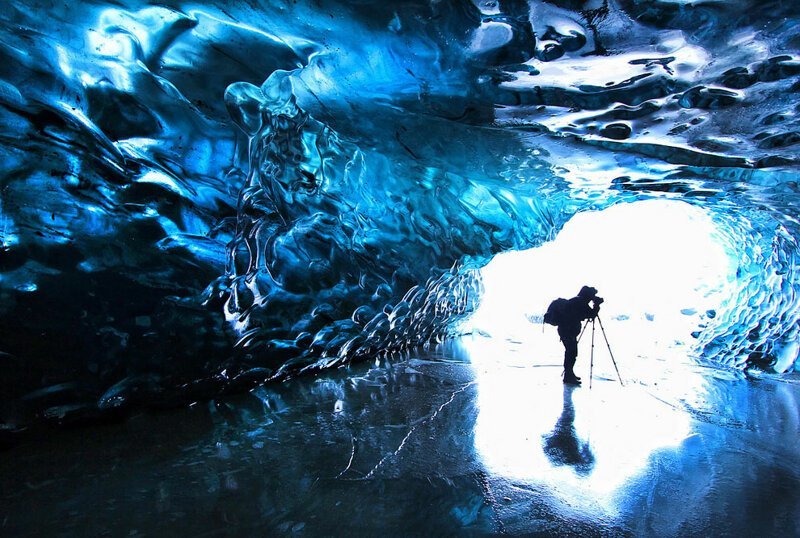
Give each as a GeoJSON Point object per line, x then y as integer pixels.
{"type": "Point", "coordinates": [570, 341]}
{"type": "Point", "coordinates": [569, 363]}
{"type": "Point", "coordinates": [570, 356]}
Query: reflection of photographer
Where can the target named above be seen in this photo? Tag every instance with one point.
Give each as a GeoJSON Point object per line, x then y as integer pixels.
{"type": "Point", "coordinates": [563, 446]}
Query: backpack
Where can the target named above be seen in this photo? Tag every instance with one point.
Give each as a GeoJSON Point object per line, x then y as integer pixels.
{"type": "Point", "coordinates": [555, 312]}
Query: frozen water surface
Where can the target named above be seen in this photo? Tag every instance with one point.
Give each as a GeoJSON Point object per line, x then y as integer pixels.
{"type": "Point", "coordinates": [476, 437]}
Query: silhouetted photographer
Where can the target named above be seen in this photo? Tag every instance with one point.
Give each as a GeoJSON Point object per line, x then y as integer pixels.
{"type": "Point", "coordinates": [567, 315]}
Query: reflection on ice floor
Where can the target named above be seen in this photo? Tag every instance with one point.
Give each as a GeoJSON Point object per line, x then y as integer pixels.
{"type": "Point", "coordinates": [477, 437]}
{"type": "Point", "coordinates": [581, 444]}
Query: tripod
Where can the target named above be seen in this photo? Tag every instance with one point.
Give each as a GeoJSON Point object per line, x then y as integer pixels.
{"type": "Point", "coordinates": [591, 361]}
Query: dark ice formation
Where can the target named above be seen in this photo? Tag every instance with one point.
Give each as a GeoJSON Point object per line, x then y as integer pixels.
{"type": "Point", "coordinates": [199, 197]}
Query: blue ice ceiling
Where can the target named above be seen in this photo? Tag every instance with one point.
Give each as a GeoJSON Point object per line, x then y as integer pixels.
{"type": "Point", "coordinates": [198, 197]}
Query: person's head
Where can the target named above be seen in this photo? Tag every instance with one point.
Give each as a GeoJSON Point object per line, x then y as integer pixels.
{"type": "Point", "coordinates": [587, 293]}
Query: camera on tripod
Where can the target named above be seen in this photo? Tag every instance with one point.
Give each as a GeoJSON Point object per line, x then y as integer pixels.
{"type": "Point", "coordinates": [596, 302]}
{"type": "Point", "coordinates": [595, 317]}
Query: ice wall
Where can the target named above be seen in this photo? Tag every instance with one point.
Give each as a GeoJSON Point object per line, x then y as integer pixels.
{"type": "Point", "coordinates": [197, 197]}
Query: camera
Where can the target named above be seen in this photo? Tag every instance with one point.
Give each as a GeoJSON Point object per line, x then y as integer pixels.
{"type": "Point", "coordinates": [598, 300]}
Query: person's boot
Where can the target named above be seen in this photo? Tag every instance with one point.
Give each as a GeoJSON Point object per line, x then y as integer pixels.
{"type": "Point", "coordinates": [571, 379]}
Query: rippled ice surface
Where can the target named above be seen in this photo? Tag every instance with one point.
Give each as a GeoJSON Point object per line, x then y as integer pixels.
{"type": "Point", "coordinates": [200, 197]}
{"type": "Point", "coordinates": [477, 437]}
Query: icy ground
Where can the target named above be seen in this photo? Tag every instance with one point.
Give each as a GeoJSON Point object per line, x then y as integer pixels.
{"type": "Point", "coordinates": [477, 437]}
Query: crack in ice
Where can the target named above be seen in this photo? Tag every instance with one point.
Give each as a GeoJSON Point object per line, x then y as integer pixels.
{"type": "Point", "coordinates": [414, 428]}
{"type": "Point", "coordinates": [352, 455]}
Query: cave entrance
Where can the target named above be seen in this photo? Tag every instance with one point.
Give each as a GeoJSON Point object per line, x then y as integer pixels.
{"type": "Point", "coordinates": [664, 270]}
{"type": "Point", "coordinates": [661, 265]}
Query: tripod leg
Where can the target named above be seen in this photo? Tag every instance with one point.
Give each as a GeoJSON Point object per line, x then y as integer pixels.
{"type": "Point", "coordinates": [609, 351]}
{"type": "Point", "coordinates": [583, 330]}
{"type": "Point", "coordinates": [591, 360]}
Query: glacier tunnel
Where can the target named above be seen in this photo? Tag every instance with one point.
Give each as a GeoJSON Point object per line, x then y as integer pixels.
{"type": "Point", "coordinates": [274, 267]}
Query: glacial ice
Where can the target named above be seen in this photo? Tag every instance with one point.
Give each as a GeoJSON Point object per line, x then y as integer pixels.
{"type": "Point", "coordinates": [198, 197]}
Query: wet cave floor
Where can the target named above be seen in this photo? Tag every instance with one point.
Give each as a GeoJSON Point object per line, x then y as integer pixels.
{"type": "Point", "coordinates": [475, 437]}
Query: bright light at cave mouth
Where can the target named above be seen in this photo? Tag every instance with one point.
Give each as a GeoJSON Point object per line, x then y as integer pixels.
{"type": "Point", "coordinates": [663, 270]}
{"type": "Point", "coordinates": [659, 264]}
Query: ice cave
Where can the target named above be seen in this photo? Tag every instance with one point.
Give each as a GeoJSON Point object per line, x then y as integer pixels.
{"type": "Point", "coordinates": [284, 267]}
